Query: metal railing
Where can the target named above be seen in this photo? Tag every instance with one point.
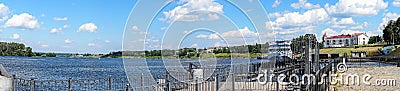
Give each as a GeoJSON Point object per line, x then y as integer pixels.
{"type": "Point", "coordinates": [117, 84]}
{"type": "Point", "coordinates": [239, 77]}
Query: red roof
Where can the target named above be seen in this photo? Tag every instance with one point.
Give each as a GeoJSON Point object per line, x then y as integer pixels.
{"type": "Point", "coordinates": [343, 36]}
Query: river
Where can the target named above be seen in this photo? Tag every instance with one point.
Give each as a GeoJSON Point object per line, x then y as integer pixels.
{"type": "Point", "coordinates": [80, 68]}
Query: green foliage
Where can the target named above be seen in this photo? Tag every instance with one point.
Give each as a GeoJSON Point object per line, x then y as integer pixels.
{"type": "Point", "coordinates": [391, 32]}
{"type": "Point", "coordinates": [374, 39]}
{"type": "Point", "coordinates": [302, 41]}
{"type": "Point", "coordinates": [15, 49]}
{"type": "Point", "coordinates": [113, 55]}
{"type": "Point", "coordinates": [47, 54]}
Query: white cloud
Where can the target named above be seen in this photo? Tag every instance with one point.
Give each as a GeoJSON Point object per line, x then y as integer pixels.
{"type": "Point", "coordinates": [360, 26]}
{"type": "Point", "coordinates": [55, 30]}
{"type": "Point", "coordinates": [66, 26]}
{"type": "Point", "coordinates": [68, 41]}
{"type": "Point", "coordinates": [274, 15]}
{"type": "Point", "coordinates": [194, 45]}
{"type": "Point", "coordinates": [44, 45]}
{"type": "Point", "coordinates": [276, 3]}
{"type": "Point", "coordinates": [87, 27]}
{"type": "Point", "coordinates": [23, 21]}
{"type": "Point", "coordinates": [4, 11]}
{"type": "Point", "coordinates": [180, 13]}
{"type": "Point", "coordinates": [343, 23]}
{"type": "Point", "coordinates": [1, 31]}
{"type": "Point", "coordinates": [350, 31]}
{"type": "Point", "coordinates": [329, 32]}
{"type": "Point", "coordinates": [304, 4]}
{"type": "Point", "coordinates": [60, 19]}
{"type": "Point", "coordinates": [91, 44]}
{"type": "Point", "coordinates": [211, 36]}
{"type": "Point", "coordinates": [236, 37]}
{"type": "Point", "coordinates": [245, 32]}
{"type": "Point", "coordinates": [15, 36]}
{"type": "Point", "coordinates": [386, 18]}
{"type": "Point", "coordinates": [348, 8]}
{"type": "Point", "coordinates": [396, 3]}
{"type": "Point", "coordinates": [135, 28]}
{"type": "Point", "coordinates": [294, 21]}
{"type": "Point", "coordinates": [107, 41]}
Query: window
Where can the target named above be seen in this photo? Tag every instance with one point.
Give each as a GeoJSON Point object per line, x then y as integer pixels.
{"type": "Point", "coordinates": [363, 38]}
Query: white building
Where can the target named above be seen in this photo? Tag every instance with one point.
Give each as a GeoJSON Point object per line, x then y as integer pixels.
{"type": "Point", "coordinates": [281, 48]}
{"type": "Point", "coordinates": [345, 40]}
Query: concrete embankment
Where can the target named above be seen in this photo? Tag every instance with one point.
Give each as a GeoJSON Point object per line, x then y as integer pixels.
{"type": "Point", "coordinates": [5, 83]}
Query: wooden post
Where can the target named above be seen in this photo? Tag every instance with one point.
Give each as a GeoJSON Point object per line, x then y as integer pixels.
{"type": "Point", "coordinates": [217, 82]}
{"type": "Point", "coordinates": [32, 84]}
{"type": "Point", "coordinates": [110, 83]}
{"type": "Point", "coordinates": [168, 83]}
{"type": "Point", "coordinates": [233, 81]}
{"type": "Point", "coordinates": [13, 83]}
{"type": "Point", "coordinates": [197, 84]}
{"type": "Point", "coordinates": [127, 87]}
{"type": "Point", "coordinates": [141, 82]}
{"type": "Point", "coordinates": [69, 84]}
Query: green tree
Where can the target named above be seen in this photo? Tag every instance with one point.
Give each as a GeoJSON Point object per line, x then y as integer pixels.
{"type": "Point", "coordinates": [301, 41]}
{"type": "Point", "coordinates": [374, 39]}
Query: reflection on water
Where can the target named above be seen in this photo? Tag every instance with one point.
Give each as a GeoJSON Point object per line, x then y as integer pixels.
{"type": "Point", "coordinates": [78, 68]}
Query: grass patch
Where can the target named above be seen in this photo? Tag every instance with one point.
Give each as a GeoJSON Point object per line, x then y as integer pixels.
{"type": "Point", "coordinates": [371, 51]}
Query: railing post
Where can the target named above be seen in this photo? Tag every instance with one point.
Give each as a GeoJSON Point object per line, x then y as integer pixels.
{"type": "Point", "coordinates": [110, 83]}
{"type": "Point", "coordinates": [127, 87]}
{"type": "Point", "coordinates": [233, 81]}
{"type": "Point", "coordinates": [197, 84]}
{"type": "Point", "coordinates": [217, 82]}
{"type": "Point", "coordinates": [69, 84]}
{"type": "Point", "coordinates": [32, 84]}
{"type": "Point", "coordinates": [141, 83]}
{"type": "Point", "coordinates": [168, 83]}
{"type": "Point", "coordinates": [13, 83]}
{"type": "Point", "coordinates": [277, 81]}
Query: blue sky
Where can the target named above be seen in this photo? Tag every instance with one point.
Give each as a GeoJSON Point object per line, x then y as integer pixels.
{"type": "Point", "coordinates": [92, 26]}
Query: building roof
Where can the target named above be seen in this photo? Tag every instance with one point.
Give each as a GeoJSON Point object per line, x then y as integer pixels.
{"type": "Point", "coordinates": [343, 36]}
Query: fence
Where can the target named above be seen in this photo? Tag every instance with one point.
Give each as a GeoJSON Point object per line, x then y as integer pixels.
{"type": "Point", "coordinates": [116, 84]}
{"type": "Point", "coordinates": [239, 77]}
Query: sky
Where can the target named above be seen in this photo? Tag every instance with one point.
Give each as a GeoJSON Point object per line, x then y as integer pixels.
{"type": "Point", "coordinates": [92, 26]}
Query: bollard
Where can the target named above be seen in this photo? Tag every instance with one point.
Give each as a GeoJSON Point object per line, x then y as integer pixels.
{"type": "Point", "coordinates": [32, 84]}
{"type": "Point", "coordinates": [127, 87]}
{"type": "Point", "coordinates": [13, 83]}
{"type": "Point", "coordinates": [110, 83]}
{"type": "Point", "coordinates": [141, 83]}
{"type": "Point", "coordinates": [168, 83]}
{"type": "Point", "coordinates": [233, 82]}
{"type": "Point", "coordinates": [398, 64]}
{"type": "Point", "coordinates": [217, 82]}
{"type": "Point", "coordinates": [197, 84]}
{"type": "Point", "coordinates": [277, 81]}
{"type": "Point", "coordinates": [69, 84]}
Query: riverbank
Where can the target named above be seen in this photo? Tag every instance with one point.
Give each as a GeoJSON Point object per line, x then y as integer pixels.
{"type": "Point", "coordinates": [206, 55]}
{"type": "Point", "coordinates": [378, 74]}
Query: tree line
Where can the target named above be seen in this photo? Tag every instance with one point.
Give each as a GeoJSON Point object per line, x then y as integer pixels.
{"type": "Point", "coordinates": [19, 49]}
{"type": "Point", "coordinates": [298, 44]}
{"type": "Point", "coordinates": [191, 52]}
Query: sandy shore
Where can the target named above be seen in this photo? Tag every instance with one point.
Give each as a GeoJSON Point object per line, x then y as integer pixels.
{"type": "Point", "coordinates": [380, 76]}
